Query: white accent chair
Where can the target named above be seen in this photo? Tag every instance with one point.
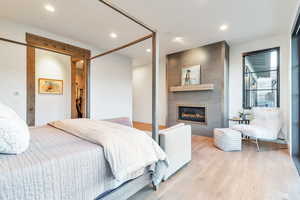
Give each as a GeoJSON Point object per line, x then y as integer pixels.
{"type": "Point", "coordinates": [266, 125]}
{"type": "Point", "coordinates": [176, 141]}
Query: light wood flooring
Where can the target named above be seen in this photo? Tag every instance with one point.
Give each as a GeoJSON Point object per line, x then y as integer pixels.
{"type": "Point", "coordinates": [217, 175]}
{"type": "Point", "coordinates": [145, 126]}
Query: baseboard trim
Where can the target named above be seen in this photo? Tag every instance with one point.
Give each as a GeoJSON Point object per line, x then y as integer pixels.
{"type": "Point", "coordinates": [145, 126]}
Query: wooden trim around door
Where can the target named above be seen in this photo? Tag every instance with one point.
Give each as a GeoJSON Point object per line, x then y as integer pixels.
{"type": "Point", "coordinates": [30, 86]}
{"type": "Point", "coordinates": [58, 47]}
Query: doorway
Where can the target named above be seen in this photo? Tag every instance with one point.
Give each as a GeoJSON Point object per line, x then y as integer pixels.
{"type": "Point", "coordinates": [78, 102]}
{"type": "Point", "coordinates": [78, 88]}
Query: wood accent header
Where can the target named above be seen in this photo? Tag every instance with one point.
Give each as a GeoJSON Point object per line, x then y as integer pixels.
{"type": "Point", "coordinates": [56, 46]}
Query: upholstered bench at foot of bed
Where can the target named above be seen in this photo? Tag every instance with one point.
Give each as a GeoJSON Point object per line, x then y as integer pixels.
{"type": "Point", "coordinates": [176, 142]}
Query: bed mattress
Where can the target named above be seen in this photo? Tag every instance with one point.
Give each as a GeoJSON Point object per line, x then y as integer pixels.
{"type": "Point", "coordinates": [56, 166]}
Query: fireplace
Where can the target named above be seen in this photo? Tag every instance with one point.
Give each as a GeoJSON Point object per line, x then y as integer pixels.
{"type": "Point", "coordinates": [191, 114]}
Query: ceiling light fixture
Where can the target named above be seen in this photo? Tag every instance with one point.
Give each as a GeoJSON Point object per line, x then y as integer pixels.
{"type": "Point", "coordinates": [113, 35]}
{"type": "Point", "coordinates": [224, 27]}
{"type": "Point", "coordinates": [148, 50]}
{"type": "Point", "coordinates": [49, 8]}
{"type": "Point", "coordinates": [178, 39]}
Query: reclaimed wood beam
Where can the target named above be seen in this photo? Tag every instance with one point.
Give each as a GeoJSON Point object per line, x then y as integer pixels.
{"type": "Point", "coordinates": [30, 46]}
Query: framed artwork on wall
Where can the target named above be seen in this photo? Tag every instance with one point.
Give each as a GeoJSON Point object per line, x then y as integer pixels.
{"type": "Point", "coordinates": [50, 86]}
{"type": "Point", "coordinates": [191, 75]}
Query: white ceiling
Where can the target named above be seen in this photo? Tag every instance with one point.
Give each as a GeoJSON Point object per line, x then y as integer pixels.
{"type": "Point", "coordinates": [198, 21]}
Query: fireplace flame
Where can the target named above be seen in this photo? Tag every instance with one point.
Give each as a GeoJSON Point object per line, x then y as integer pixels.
{"type": "Point", "coordinates": [192, 114]}
{"type": "Point", "coordinates": [189, 115]}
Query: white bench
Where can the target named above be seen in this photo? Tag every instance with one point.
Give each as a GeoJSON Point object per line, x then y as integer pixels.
{"type": "Point", "coordinates": [176, 141]}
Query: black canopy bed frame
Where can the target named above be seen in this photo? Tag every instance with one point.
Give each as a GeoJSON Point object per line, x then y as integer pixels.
{"type": "Point", "coordinates": [133, 186]}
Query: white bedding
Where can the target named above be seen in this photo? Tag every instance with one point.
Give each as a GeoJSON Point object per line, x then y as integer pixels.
{"type": "Point", "coordinates": [127, 150]}
{"type": "Point", "coordinates": [56, 166]}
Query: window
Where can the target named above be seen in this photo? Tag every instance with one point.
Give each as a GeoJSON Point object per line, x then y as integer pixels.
{"type": "Point", "coordinates": [261, 78]}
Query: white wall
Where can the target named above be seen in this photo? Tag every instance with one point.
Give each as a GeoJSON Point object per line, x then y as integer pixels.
{"type": "Point", "coordinates": [110, 89]}
{"type": "Point", "coordinates": [13, 77]}
{"type": "Point", "coordinates": [142, 93]}
{"type": "Point", "coordinates": [236, 74]}
{"type": "Point", "coordinates": [52, 107]}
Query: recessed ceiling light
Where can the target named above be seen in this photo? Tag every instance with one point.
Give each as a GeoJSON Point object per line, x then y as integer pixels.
{"type": "Point", "coordinates": [148, 50]}
{"type": "Point", "coordinates": [113, 35]}
{"type": "Point", "coordinates": [49, 8]}
{"type": "Point", "coordinates": [224, 27]}
{"type": "Point", "coordinates": [178, 39]}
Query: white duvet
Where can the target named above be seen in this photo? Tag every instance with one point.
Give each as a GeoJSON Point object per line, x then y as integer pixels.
{"type": "Point", "coordinates": [127, 150]}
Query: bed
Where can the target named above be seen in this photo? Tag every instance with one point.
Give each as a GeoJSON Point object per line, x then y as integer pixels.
{"type": "Point", "coordinates": [58, 165]}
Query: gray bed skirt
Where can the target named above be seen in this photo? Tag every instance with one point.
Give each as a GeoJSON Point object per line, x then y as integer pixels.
{"type": "Point", "coordinates": [128, 189]}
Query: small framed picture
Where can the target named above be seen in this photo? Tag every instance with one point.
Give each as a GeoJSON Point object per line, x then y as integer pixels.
{"type": "Point", "coordinates": [191, 75]}
{"type": "Point", "coordinates": [50, 86]}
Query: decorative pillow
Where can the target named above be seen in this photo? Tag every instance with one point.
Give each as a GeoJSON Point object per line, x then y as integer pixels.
{"type": "Point", "coordinates": [6, 112]}
{"type": "Point", "coordinates": [14, 132]}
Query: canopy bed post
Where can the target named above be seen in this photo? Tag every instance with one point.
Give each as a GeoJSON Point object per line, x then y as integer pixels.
{"type": "Point", "coordinates": [155, 83]}
{"type": "Point", "coordinates": [155, 63]}
{"type": "Point", "coordinates": [127, 15]}
{"type": "Point", "coordinates": [122, 47]}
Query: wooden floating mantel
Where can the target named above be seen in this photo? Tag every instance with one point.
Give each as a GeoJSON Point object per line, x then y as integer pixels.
{"type": "Point", "coordinates": [189, 88]}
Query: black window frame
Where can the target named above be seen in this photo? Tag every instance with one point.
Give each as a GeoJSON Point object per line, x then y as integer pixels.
{"type": "Point", "coordinates": [278, 74]}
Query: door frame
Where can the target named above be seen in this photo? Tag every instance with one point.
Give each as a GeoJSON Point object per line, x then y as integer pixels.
{"type": "Point", "coordinates": [61, 48]}
{"type": "Point", "coordinates": [295, 78]}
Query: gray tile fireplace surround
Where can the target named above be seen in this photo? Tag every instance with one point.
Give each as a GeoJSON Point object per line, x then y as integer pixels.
{"type": "Point", "coordinates": [214, 61]}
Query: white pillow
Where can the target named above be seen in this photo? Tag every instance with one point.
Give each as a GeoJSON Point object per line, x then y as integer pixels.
{"type": "Point", "coordinates": [14, 132]}
{"type": "Point", "coordinates": [6, 112]}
